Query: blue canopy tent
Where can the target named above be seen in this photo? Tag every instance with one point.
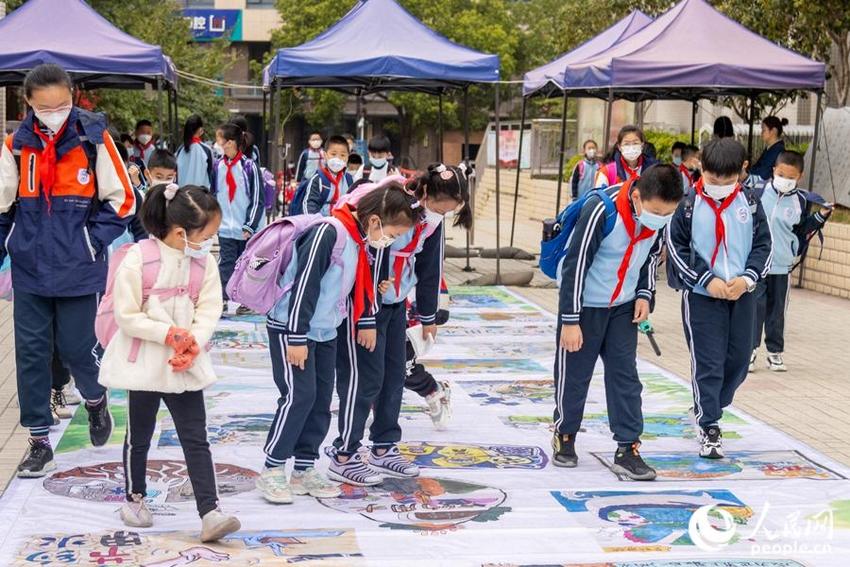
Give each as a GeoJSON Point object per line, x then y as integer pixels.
{"type": "Point", "coordinates": [95, 53]}
{"type": "Point", "coordinates": [379, 46]}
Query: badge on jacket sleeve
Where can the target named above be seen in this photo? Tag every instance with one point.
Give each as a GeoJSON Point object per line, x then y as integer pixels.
{"type": "Point", "coordinates": [742, 214]}
{"type": "Point", "coordinates": [83, 176]}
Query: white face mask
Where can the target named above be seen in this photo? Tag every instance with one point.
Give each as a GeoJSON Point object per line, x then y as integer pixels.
{"type": "Point", "coordinates": [53, 120]}
{"type": "Point", "coordinates": [632, 151]}
{"type": "Point", "coordinates": [217, 149]}
{"type": "Point", "coordinates": [336, 164]}
{"type": "Point", "coordinates": [383, 242]}
{"type": "Point", "coordinates": [144, 139]}
{"type": "Point", "coordinates": [719, 192]}
{"type": "Point", "coordinates": [199, 253]}
{"type": "Point", "coordinates": [784, 185]}
{"type": "Point", "coordinates": [590, 154]}
{"type": "Point", "coordinates": [315, 144]}
{"type": "Point", "coordinates": [433, 218]}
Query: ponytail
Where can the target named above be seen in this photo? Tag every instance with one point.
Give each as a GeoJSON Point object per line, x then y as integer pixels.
{"type": "Point", "coordinates": [193, 124]}
{"type": "Point", "coordinates": [446, 182]}
{"type": "Point", "coordinates": [167, 206]}
{"type": "Point", "coordinates": [393, 204]}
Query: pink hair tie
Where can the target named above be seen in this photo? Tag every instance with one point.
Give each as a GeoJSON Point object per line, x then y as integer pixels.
{"type": "Point", "coordinates": [170, 191]}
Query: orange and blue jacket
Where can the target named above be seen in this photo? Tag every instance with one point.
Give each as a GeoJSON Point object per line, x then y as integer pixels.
{"type": "Point", "coordinates": [58, 244]}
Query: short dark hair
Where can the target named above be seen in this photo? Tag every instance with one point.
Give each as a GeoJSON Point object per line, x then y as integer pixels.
{"type": "Point", "coordinates": [630, 129]}
{"type": "Point", "coordinates": [191, 208]}
{"type": "Point", "coordinates": [336, 140]}
{"type": "Point", "coordinates": [379, 144]}
{"type": "Point", "coordinates": [393, 205]}
{"type": "Point", "coordinates": [677, 145]}
{"type": "Point", "coordinates": [143, 122]}
{"type": "Point", "coordinates": [46, 75]}
{"type": "Point", "coordinates": [126, 138]}
{"type": "Point", "coordinates": [723, 156]}
{"type": "Point", "coordinates": [723, 127]}
{"type": "Point", "coordinates": [355, 159]}
{"type": "Point", "coordinates": [792, 158]}
{"type": "Point", "coordinates": [589, 141]}
{"type": "Point", "coordinates": [122, 151]}
{"type": "Point", "coordinates": [775, 123]}
{"type": "Point", "coordinates": [689, 151]}
{"type": "Point", "coordinates": [162, 158]}
{"type": "Point", "coordinates": [661, 181]}
{"type": "Point", "coordinates": [319, 132]}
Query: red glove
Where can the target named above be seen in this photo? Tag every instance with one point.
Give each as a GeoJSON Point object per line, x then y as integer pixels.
{"type": "Point", "coordinates": [180, 340]}
{"type": "Point", "coordinates": [182, 362]}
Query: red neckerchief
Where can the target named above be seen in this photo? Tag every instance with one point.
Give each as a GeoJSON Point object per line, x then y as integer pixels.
{"type": "Point", "coordinates": [624, 208]}
{"type": "Point", "coordinates": [231, 180]}
{"type": "Point", "coordinates": [47, 161]}
{"type": "Point", "coordinates": [363, 287]}
{"type": "Point", "coordinates": [632, 173]}
{"type": "Point", "coordinates": [142, 148]}
{"type": "Point", "coordinates": [196, 140]}
{"type": "Point", "coordinates": [404, 254]}
{"type": "Point", "coordinates": [686, 173]}
{"type": "Point", "coordinates": [335, 181]}
{"type": "Point", "coordinates": [719, 227]}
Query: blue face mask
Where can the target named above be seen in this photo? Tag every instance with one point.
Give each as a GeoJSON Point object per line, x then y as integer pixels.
{"type": "Point", "coordinates": [378, 162]}
{"type": "Point", "coordinates": [677, 160]}
{"type": "Point", "coordinates": [653, 221]}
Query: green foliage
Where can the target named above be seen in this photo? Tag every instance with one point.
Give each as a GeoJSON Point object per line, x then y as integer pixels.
{"type": "Point", "coordinates": [663, 142]}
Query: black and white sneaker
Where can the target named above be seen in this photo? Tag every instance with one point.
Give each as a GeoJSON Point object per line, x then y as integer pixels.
{"type": "Point", "coordinates": [38, 460]}
{"type": "Point", "coordinates": [392, 463]}
{"type": "Point", "coordinates": [564, 450]}
{"type": "Point", "coordinates": [353, 471]}
{"type": "Point", "coordinates": [242, 311]}
{"type": "Point", "coordinates": [628, 462]}
{"type": "Point", "coordinates": [711, 443]}
{"type": "Point", "coordinates": [100, 423]}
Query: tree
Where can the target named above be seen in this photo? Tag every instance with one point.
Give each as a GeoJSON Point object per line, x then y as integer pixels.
{"type": "Point", "coordinates": [161, 23]}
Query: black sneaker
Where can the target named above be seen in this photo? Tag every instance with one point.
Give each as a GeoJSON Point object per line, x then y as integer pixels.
{"type": "Point", "coordinates": [242, 311]}
{"type": "Point", "coordinates": [100, 423]}
{"type": "Point", "coordinates": [564, 450]}
{"type": "Point", "coordinates": [38, 460]}
{"type": "Point", "coordinates": [711, 443]}
{"type": "Point", "coordinates": [628, 462]}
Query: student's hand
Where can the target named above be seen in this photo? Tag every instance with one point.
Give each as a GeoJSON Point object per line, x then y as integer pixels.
{"type": "Point", "coordinates": [571, 338]}
{"type": "Point", "coordinates": [246, 235]}
{"type": "Point", "coordinates": [717, 288]}
{"type": "Point", "coordinates": [180, 340]}
{"type": "Point", "coordinates": [641, 311]}
{"type": "Point", "coordinates": [367, 338]}
{"type": "Point", "coordinates": [182, 362]}
{"type": "Point", "coordinates": [134, 172]}
{"type": "Point", "coordinates": [429, 331]}
{"type": "Point", "coordinates": [825, 212]}
{"type": "Point", "coordinates": [297, 355]}
{"type": "Point", "coordinates": [384, 286]}
{"type": "Point", "coordinates": [735, 288]}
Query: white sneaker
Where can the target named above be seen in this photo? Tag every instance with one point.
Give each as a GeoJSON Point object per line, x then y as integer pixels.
{"type": "Point", "coordinates": [274, 487]}
{"type": "Point", "coordinates": [440, 405]}
{"type": "Point", "coordinates": [752, 363]}
{"type": "Point", "coordinates": [711, 443]}
{"type": "Point", "coordinates": [393, 463]}
{"type": "Point", "coordinates": [72, 396]}
{"type": "Point", "coordinates": [314, 483]}
{"type": "Point", "coordinates": [353, 471]}
{"type": "Point", "coordinates": [135, 514]}
{"type": "Point", "coordinates": [215, 525]}
{"type": "Point", "coordinates": [775, 363]}
{"type": "Point", "coordinates": [59, 405]}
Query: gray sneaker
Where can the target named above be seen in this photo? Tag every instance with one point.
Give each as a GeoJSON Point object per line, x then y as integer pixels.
{"type": "Point", "coordinates": [135, 514]}
{"type": "Point", "coordinates": [775, 363]}
{"type": "Point", "coordinates": [314, 483]}
{"type": "Point", "coordinates": [274, 487]}
{"type": "Point", "coordinates": [215, 525]}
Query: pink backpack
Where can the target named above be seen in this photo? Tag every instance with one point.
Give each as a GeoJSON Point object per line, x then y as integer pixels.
{"type": "Point", "coordinates": [105, 326]}
{"type": "Point", "coordinates": [256, 276]}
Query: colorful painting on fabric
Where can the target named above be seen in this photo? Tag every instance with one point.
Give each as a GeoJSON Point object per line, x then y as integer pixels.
{"type": "Point", "coordinates": [504, 316]}
{"type": "Point", "coordinates": [461, 456]}
{"type": "Point", "coordinates": [661, 563]}
{"type": "Point", "coordinates": [239, 429]}
{"type": "Point", "coordinates": [483, 365]}
{"type": "Point", "coordinates": [528, 422]}
{"type": "Point", "coordinates": [502, 350]}
{"type": "Point", "coordinates": [536, 330]}
{"type": "Point", "coordinates": [646, 521]}
{"type": "Point", "coordinates": [233, 339]}
{"type": "Point", "coordinates": [485, 297]}
{"type": "Point", "coordinates": [422, 504]}
{"type": "Point", "coordinates": [334, 547]}
{"type": "Point", "coordinates": [510, 392]}
{"type": "Point", "coordinates": [738, 465]}
{"type": "Point", "coordinates": [655, 426]}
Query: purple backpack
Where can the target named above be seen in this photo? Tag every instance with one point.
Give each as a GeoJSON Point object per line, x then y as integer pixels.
{"type": "Point", "coordinates": [256, 276]}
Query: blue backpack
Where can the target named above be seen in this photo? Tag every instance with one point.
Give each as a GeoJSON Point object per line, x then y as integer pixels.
{"type": "Point", "coordinates": [554, 249]}
{"type": "Point", "coordinates": [296, 207]}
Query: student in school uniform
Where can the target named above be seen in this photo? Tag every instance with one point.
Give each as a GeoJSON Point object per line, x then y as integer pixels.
{"type": "Point", "coordinates": [311, 157]}
{"type": "Point", "coordinates": [355, 162]}
{"type": "Point", "coordinates": [377, 166]}
{"type": "Point", "coordinates": [307, 323]}
{"type": "Point", "coordinates": [787, 211]}
{"type": "Point", "coordinates": [607, 287]}
{"type": "Point", "coordinates": [143, 146]}
{"type": "Point", "coordinates": [676, 152]}
{"type": "Point", "coordinates": [249, 148]}
{"type": "Point", "coordinates": [719, 245]}
{"type": "Point", "coordinates": [689, 167]}
{"type": "Point", "coordinates": [236, 184]}
{"type": "Point", "coordinates": [331, 180]}
{"type": "Point", "coordinates": [371, 364]}
{"type": "Point", "coordinates": [583, 178]}
{"type": "Point", "coordinates": [628, 158]}
{"type": "Point", "coordinates": [195, 159]}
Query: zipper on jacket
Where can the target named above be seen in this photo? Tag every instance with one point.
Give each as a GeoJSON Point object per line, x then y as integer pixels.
{"type": "Point", "coordinates": [89, 245]}
{"type": "Point", "coordinates": [8, 238]}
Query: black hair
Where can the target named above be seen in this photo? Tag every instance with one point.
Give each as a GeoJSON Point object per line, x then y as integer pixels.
{"type": "Point", "coordinates": [231, 131]}
{"type": "Point", "coordinates": [723, 157]}
{"type": "Point", "coordinates": [678, 146]}
{"type": "Point", "coordinates": [661, 181]}
{"type": "Point", "coordinates": [126, 138]}
{"type": "Point", "coordinates": [379, 144]}
{"type": "Point", "coordinates": [122, 151]}
{"type": "Point", "coordinates": [723, 127]}
{"type": "Point", "coordinates": [143, 122]}
{"type": "Point", "coordinates": [393, 205]}
{"type": "Point", "coordinates": [191, 208]}
{"type": "Point", "coordinates": [338, 140]}
{"type": "Point", "coordinates": [193, 124]}
{"type": "Point", "coordinates": [792, 158]}
{"type": "Point", "coordinates": [355, 158]}
{"type": "Point", "coordinates": [162, 158]}
{"type": "Point", "coordinates": [774, 123]}
{"type": "Point", "coordinates": [46, 75]}
{"type": "Point", "coordinates": [630, 129]}
{"type": "Point", "coordinates": [589, 141]}
{"type": "Point", "coordinates": [688, 151]}
{"type": "Point", "coordinates": [246, 143]}
{"type": "Point", "coordinates": [319, 132]}
{"type": "Point", "coordinates": [446, 182]}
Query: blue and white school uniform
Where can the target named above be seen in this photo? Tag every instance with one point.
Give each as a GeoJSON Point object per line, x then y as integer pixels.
{"type": "Point", "coordinates": [195, 165]}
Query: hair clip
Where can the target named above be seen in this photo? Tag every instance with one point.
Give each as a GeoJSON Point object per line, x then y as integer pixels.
{"type": "Point", "coordinates": [441, 168]}
{"type": "Point", "coordinates": [415, 205]}
{"type": "Point", "coordinates": [170, 191]}
{"type": "Point", "coordinates": [447, 174]}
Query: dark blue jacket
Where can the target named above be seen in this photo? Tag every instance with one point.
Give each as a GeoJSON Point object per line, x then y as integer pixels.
{"type": "Point", "coordinates": [764, 166]}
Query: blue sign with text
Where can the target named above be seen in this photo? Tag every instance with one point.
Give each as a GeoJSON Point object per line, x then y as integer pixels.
{"type": "Point", "coordinates": [209, 24]}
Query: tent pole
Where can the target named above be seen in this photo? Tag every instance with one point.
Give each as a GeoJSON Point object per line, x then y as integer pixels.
{"type": "Point", "coordinates": [818, 118]}
{"type": "Point", "coordinates": [607, 134]}
{"type": "Point", "coordinates": [440, 128]}
{"type": "Point", "coordinates": [750, 134]}
{"type": "Point", "coordinates": [176, 118]}
{"type": "Point", "coordinates": [275, 150]}
{"type": "Point", "coordinates": [467, 268]}
{"type": "Point", "coordinates": [497, 124]}
{"type": "Point", "coordinates": [159, 105]}
{"type": "Point", "coordinates": [694, 122]}
{"type": "Point", "coordinates": [518, 167]}
{"type": "Point", "coordinates": [170, 118]}
{"type": "Point", "coordinates": [561, 155]}
{"type": "Point", "coordinates": [264, 129]}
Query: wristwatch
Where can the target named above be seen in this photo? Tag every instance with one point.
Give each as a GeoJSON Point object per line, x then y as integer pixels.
{"type": "Point", "coordinates": [751, 285]}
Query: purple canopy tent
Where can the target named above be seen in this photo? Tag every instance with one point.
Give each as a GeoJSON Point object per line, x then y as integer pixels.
{"type": "Point", "coordinates": [95, 53]}
{"type": "Point", "coordinates": [379, 46]}
{"type": "Point", "coordinates": [690, 52]}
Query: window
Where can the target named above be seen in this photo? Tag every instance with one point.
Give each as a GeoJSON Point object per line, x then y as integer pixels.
{"type": "Point", "coordinates": [199, 3]}
{"type": "Point", "coordinates": [259, 3]}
